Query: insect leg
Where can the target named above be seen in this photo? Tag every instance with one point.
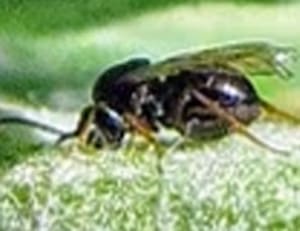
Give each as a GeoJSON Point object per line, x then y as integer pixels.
{"type": "Point", "coordinates": [275, 113]}
{"type": "Point", "coordinates": [140, 127]}
{"type": "Point", "coordinates": [144, 130]}
{"type": "Point", "coordinates": [236, 125]}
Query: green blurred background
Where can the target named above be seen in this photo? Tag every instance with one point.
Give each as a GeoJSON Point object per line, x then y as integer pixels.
{"type": "Point", "coordinates": [52, 51]}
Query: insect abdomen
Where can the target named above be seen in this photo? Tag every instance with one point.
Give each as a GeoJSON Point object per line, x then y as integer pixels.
{"type": "Point", "coordinates": [233, 93]}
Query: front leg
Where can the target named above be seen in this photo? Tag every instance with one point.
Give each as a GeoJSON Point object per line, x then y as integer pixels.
{"type": "Point", "coordinates": [140, 126]}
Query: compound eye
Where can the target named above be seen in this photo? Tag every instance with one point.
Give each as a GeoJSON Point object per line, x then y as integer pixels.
{"type": "Point", "coordinates": [228, 100]}
{"type": "Point", "coordinates": [112, 122]}
{"type": "Point", "coordinates": [110, 125]}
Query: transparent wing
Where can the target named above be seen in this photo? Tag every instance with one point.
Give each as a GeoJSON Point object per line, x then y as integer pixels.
{"type": "Point", "coordinates": [250, 58]}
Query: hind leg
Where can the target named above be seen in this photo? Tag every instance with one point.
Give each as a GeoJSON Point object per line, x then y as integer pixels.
{"type": "Point", "coordinates": [277, 114]}
{"type": "Point", "coordinates": [235, 124]}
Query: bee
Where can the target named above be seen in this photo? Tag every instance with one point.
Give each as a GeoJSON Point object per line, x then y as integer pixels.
{"type": "Point", "coordinates": [203, 95]}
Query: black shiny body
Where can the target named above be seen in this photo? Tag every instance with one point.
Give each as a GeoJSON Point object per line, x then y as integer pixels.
{"type": "Point", "coordinates": [170, 102]}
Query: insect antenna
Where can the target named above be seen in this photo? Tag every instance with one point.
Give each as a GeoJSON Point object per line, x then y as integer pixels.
{"type": "Point", "coordinates": [31, 123]}
{"type": "Point", "coordinates": [81, 130]}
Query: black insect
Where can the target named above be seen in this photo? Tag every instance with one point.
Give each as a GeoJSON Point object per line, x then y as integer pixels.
{"type": "Point", "coordinates": [205, 94]}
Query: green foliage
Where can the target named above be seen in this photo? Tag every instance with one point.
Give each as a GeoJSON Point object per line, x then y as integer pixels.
{"type": "Point", "coordinates": [229, 185]}
{"type": "Point", "coordinates": [13, 143]}
{"type": "Point", "coordinates": [55, 16]}
{"type": "Point", "coordinates": [48, 17]}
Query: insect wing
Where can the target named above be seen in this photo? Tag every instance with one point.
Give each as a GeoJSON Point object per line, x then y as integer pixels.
{"type": "Point", "coordinates": [250, 58]}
